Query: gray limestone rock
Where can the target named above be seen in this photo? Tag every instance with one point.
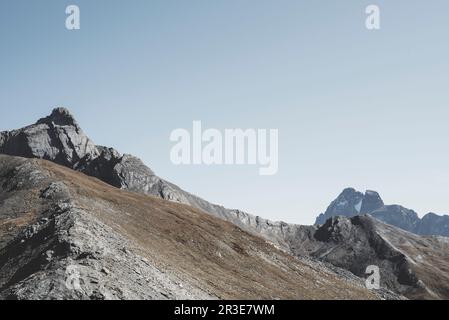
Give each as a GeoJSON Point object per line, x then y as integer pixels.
{"type": "Point", "coordinates": [57, 138]}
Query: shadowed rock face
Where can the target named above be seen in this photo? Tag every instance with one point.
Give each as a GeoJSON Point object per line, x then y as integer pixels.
{"type": "Point", "coordinates": [409, 264]}
{"type": "Point", "coordinates": [64, 235]}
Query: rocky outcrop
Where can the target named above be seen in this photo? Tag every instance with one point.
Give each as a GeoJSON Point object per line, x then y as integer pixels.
{"type": "Point", "coordinates": [408, 264]}
{"type": "Point", "coordinates": [57, 138]}
{"type": "Point", "coordinates": [72, 255]}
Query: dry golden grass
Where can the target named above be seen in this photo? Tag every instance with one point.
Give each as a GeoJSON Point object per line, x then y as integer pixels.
{"type": "Point", "coordinates": [215, 255]}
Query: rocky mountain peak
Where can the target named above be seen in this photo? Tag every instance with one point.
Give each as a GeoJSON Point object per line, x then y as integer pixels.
{"type": "Point", "coordinates": [348, 204]}
{"type": "Point", "coordinates": [60, 116]}
{"type": "Point", "coordinates": [57, 138]}
{"type": "Point", "coordinates": [348, 192]}
{"type": "Point", "coordinates": [434, 224]}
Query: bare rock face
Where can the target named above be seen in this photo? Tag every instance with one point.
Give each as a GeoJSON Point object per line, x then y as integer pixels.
{"type": "Point", "coordinates": [409, 264]}
{"type": "Point", "coordinates": [73, 255]}
{"type": "Point", "coordinates": [57, 138]}
{"type": "Point", "coordinates": [371, 201]}
{"type": "Point", "coordinates": [60, 139]}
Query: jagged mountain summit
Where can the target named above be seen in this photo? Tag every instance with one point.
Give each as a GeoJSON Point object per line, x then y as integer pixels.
{"type": "Point", "coordinates": [57, 138]}
{"type": "Point", "coordinates": [65, 235]}
{"type": "Point", "coordinates": [351, 203]}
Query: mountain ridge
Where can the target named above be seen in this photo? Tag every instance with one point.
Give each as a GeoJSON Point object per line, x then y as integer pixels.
{"type": "Point", "coordinates": [58, 138]}
{"type": "Point", "coordinates": [66, 235]}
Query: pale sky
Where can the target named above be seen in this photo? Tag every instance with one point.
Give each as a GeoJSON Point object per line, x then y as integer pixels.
{"type": "Point", "coordinates": [367, 109]}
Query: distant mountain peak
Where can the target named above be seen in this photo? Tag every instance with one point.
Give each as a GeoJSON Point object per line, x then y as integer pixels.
{"type": "Point", "coordinates": [350, 203]}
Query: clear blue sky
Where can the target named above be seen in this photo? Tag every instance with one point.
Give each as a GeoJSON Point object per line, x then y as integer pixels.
{"type": "Point", "coordinates": [353, 107]}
